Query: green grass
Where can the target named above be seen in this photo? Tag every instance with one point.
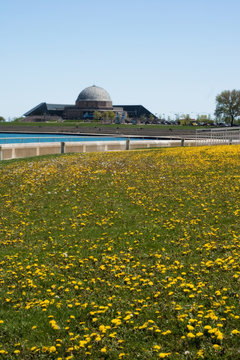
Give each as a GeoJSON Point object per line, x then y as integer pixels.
{"type": "Point", "coordinates": [121, 255]}
{"type": "Point", "coordinates": [80, 124]}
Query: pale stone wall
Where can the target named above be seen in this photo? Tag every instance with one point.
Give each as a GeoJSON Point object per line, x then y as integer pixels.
{"type": "Point", "coordinates": [50, 149]}
{"type": "Point", "coordinates": [25, 152]}
{"type": "Point", "coordinates": [16, 151]}
{"type": "Point", "coordinates": [72, 147]}
{"type": "Point", "coordinates": [13, 151]}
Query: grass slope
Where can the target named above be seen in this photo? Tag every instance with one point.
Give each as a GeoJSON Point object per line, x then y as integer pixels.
{"type": "Point", "coordinates": [121, 255]}
{"type": "Point", "coordinates": [93, 124]}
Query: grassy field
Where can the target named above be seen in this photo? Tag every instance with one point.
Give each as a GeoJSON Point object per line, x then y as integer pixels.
{"type": "Point", "coordinates": [126, 255]}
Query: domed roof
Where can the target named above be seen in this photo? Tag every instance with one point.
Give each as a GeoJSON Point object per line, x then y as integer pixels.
{"type": "Point", "coordinates": [94, 93]}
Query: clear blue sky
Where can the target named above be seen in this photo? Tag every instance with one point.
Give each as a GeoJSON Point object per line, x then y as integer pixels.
{"type": "Point", "coordinates": [172, 56]}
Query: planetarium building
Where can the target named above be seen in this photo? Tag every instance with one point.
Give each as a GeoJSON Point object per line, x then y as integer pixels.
{"type": "Point", "coordinates": [90, 100]}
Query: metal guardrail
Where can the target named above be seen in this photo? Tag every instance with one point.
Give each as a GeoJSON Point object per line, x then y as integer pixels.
{"type": "Point", "coordinates": [202, 137]}
{"type": "Point", "coordinates": [37, 139]}
{"type": "Point", "coordinates": [25, 140]}
{"type": "Point", "coordinates": [218, 136]}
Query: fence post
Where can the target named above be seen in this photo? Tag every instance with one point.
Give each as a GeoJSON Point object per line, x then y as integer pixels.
{"type": "Point", "coordinates": [0, 153]}
{"type": "Point", "coordinates": [127, 144]}
{"type": "Point", "coordinates": [182, 142]}
{"type": "Point", "coordinates": [62, 147]}
{"type": "Point", "coordinates": [230, 141]}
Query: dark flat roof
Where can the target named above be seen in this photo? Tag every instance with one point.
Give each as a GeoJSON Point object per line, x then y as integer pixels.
{"type": "Point", "coordinates": [56, 106]}
{"type": "Point", "coordinates": [47, 107]}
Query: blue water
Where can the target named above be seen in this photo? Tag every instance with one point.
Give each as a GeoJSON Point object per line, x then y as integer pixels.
{"type": "Point", "coordinates": [16, 138]}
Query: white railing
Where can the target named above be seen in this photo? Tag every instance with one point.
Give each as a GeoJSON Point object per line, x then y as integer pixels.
{"type": "Point", "coordinates": [34, 139]}
{"type": "Point", "coordinates": [43, 139]}
{"type": "Point", "coordinates": [218, 136]}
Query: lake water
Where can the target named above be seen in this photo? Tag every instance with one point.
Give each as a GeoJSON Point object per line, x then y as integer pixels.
{"type": "Point", "coordinates": [16, 138]}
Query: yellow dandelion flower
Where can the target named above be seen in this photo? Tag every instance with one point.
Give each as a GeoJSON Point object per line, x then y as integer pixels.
{"type": "Point", "coordinates": [102, 328]}
{"type": "Point", "coordinates": [190, 335]}
{"type": "Point", "coordinates": [82, 343]}
{"type": "Point", "coordinates": [166, 332]}
{"type": "Point", "coordinates": [112, 335]}
{"type": "Point", "coordinates": [219, 335]}
{"type": "Point", "coordinates": [200, 354]}
{"type": "Point", "coordinates": [207, 327]}
{"type": "Point", "coordinates": [116, 321]}
{"type": "Point", "coordinates": [163, 355]}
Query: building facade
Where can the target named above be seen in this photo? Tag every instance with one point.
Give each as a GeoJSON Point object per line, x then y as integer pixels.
{"type": "Point", "coordinates": [90, 100]}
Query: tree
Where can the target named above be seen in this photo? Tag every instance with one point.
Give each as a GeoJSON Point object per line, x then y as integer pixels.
{"type": "Point", "coordinates": [97, 115]}
{"type": "Point", "coordinates": [111, 116]}
{"type": "Point", "coordinates": [151, 119]}
{"type": "Point", "coordinates": [228, 105]}
{"type": "Point", "coordinates": [18, 119]}
{"type": "Point", "coordinates": [204, 120]}
{"type": "Point", "coordinates": [185, 120]}
{"type": "Point", "coordinates": [104, 116]}
{"type": "Point", "coordinates": [2, 119]}
{"type": "Point", "coordinates": [143, 118]}
{"type": "Point", "coordinates": [108, 115]}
